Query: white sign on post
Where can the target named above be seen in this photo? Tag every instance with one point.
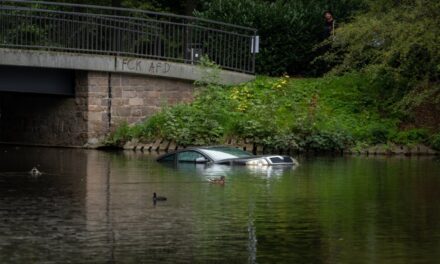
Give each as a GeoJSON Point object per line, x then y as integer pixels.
{"type": "Point", "coordinates": [255, 44]}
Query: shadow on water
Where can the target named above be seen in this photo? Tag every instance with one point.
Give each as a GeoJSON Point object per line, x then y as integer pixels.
{"type": "Point", "coordinates": [96, 207]}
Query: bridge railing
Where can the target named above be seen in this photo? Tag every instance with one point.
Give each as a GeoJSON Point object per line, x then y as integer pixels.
{"type": "Point", "coordinates": [125, 32]}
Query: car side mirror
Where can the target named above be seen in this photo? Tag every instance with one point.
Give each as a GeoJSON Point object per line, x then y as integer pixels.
{"type": "Point", "coordinates": [201, 160]}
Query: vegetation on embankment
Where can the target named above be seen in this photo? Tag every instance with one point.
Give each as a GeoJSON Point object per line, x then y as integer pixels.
{"type": "Point", "coordinates": [383, 87]}
{"type": "Point", "coordinates": [323, 114]}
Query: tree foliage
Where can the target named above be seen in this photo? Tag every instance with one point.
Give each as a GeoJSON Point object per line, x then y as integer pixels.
{"type": "Point", "coordinates": [396, 43]}
{"type": "Point", "coordinates": [288, 29]}
{"type": "Point", "coordinates": [183, 7]}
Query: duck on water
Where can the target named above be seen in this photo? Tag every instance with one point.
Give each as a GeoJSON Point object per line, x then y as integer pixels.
{"type": "Point", "coordinates": [158, 198]}
{"type": "Point", "coordinates": [35, 172]}
{"type": "Point", "coordinates": [220, 180]}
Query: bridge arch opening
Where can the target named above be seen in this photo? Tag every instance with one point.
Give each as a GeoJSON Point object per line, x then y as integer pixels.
{"type": "Point", "coordinates": [36, 102]}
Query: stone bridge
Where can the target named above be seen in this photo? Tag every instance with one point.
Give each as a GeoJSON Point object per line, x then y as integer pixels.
{"type": "Point", "coordinates": [70, 74]}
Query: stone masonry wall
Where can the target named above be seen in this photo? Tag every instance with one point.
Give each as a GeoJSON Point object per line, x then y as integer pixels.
{"type": "Point", "coordinates": [135, 98]}
{"type": "Point", "coordinates": [95, 85]}
{"type": "Point", "coordinates": [117, 98]}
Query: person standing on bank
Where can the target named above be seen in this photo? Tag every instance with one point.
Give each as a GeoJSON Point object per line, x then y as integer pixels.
{"type": "Point", "coordinates": [329, 28]}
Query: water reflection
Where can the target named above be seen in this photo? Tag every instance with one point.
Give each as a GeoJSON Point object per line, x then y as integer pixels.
{"type": "Point", "coordinates": [217, 170]}
{"type": "Point", "coordinates": [270, 171]}
{"type": "Point", "coordinates": [96, 207]}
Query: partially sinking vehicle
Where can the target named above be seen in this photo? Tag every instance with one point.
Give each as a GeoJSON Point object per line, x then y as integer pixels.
{"type": "Point", "coordinates": [224, 155]}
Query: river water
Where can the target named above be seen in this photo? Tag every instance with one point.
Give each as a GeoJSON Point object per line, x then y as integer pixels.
{"type": "Point", "coordinates": [96, 207]}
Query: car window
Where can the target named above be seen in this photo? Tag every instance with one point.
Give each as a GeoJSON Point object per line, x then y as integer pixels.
{"type": "Point", "coordinates": [232, 151]}
{"type": "Point", "coordinates": [188, 156]}
{"type": "Point", "coordinates": [168, 158]}
{"type": "Point", "coordinates": [220, 153]}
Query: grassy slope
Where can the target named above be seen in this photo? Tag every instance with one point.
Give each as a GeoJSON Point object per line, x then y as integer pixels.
{"type": "Point", "coordinates": [324, 114]}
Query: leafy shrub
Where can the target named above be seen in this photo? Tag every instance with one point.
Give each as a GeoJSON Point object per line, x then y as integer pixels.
{"type": "Point", "coordinates": [435, 141]}
{"type": "Point", "coordinates": [282, 142]}
{"type": "Point", "coordinates": [395, 43]}
{"type": "Point", "coordinates": [379, 135]}
{"type": "Point", "coordinates": [411, 136]}
{"type": "Point", "coordinates": [121, 135]}
{"type": "Point", "coordinates": [188, 126]}
{"type": "Point", "coordinates": [327, 141]}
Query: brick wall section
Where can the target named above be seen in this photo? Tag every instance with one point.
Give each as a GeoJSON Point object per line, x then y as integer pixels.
{"type": "Point", "coordinates": [97, 88]}
{"type": "Point", "coordinates": [129, 98]}
{"type": "Point", "coordinates": [135, 98]}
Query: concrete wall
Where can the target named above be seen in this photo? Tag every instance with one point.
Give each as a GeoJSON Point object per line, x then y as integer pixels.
{"type": "Point", "coordinates": [102, 101]}
{"type": "Point", "coordinates": [115, 64]}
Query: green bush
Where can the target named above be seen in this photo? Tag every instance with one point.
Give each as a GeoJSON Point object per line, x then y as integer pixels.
{"type": "Point", "coordinates": [326, 141]}
{"type": "Point", "coordinates": [121, 135]}
{"type": "Point", "coordinates": [186, 125]}
{"type": "Point", "coordinates": [417, 135]}
{"type": "Point", "coordinates": [379, 134]}
{"type": "Point", "coordinates": [435, 141]}
{"type": "Point", "coordinates": [396, 44]}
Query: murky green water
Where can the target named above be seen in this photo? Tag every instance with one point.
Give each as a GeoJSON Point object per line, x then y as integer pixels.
{"type": "Point", "coordinates": [96, 207]}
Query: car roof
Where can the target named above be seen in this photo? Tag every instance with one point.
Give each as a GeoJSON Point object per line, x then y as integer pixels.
{"type": "Point", "coordinates": [208, 151]}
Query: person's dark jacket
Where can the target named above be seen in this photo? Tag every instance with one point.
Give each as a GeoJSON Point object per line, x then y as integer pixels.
{"type": "Point", "coordinates": [328, 29]}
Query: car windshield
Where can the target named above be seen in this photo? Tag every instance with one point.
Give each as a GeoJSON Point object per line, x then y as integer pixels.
{"type": "Point", "coordinates": [221, 153]}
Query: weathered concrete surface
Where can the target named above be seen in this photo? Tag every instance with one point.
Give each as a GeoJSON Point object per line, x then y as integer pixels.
{"type": "Point", "coordinates": [117, 64]}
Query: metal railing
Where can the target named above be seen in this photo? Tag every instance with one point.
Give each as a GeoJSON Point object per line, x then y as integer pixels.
{"type": "Point", "coordinates": [125, 32]}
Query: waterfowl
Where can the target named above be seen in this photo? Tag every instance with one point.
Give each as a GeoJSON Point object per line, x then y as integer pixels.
{"type": "Point", "coordinates": [35, 172]}
{"type": "Point", "coordinates": [158, 198]}
{"type": "Point", "coordinates": [220, 180]}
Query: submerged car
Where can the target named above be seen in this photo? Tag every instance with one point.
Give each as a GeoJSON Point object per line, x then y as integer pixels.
{"type": "Point", "coordinates": [224, 155]}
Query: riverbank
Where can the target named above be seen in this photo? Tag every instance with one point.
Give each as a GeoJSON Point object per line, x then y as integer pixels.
{"type": "Point", "coordinates": [331, 114]}
{"type": "Point", "coordinates": [380, 150]}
